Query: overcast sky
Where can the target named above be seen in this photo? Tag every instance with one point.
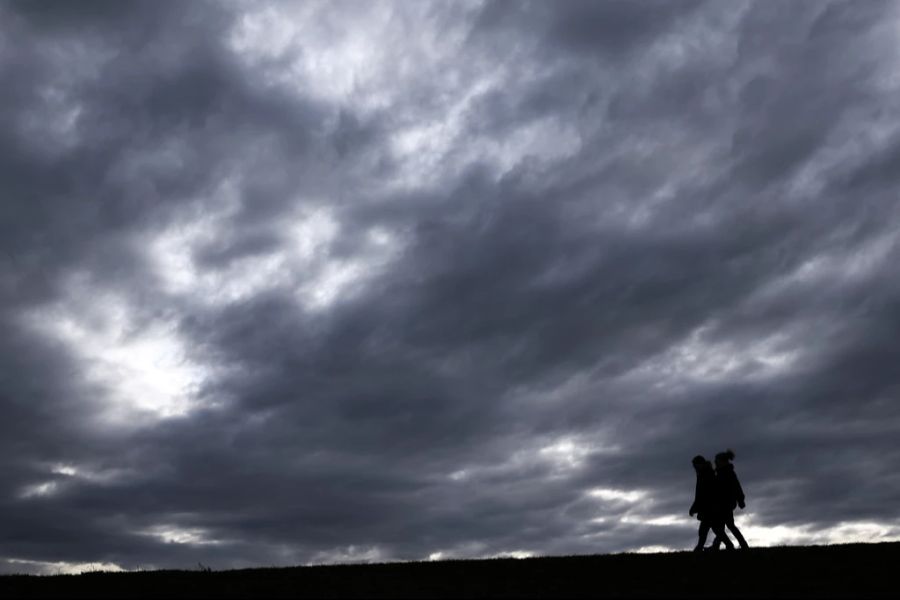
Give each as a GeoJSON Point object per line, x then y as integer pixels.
{"type": "Point", "coordinates": [301, 283]}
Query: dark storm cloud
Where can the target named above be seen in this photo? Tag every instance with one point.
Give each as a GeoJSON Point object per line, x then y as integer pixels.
{"type": "Point", "coordinates": [489, 300]}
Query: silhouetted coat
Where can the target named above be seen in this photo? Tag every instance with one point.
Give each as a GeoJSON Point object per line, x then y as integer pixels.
{"type": "Point", "coordinates": [706, 503]}
{"type": "Point", "coordinates": [729, 492]}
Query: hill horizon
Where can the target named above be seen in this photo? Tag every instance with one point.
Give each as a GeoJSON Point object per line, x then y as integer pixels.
{"type": "Point", "coordinates": [860, 570]}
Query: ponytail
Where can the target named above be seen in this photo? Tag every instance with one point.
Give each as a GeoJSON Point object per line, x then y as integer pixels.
{"type": "Point", "coordinates": [728, 455]}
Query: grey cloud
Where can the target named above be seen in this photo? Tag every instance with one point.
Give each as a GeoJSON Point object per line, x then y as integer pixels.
{"type": "Point", "coordinates": [608, 28]}
{"type": "Point", "coordinates": [601, 257]}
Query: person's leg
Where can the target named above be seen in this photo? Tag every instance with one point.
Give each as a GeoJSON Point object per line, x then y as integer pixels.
{"type": "Point", "coordinates": [701, 534]}
{"type": "Point", "coordinates": [729, 522]}
{"type": "Point", "coordinates": [719, 529]}
{"type": "Point", "coordinates": [718, 541]}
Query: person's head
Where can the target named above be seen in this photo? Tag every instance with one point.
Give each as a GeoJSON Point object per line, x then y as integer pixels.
{"type": "Point", "coordinates": [724, 458]}
{"type": "Point", "coordinates": [699, 462]}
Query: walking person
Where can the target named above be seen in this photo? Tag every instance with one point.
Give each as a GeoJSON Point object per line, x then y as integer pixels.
{"type": "Point", "coordinates": [706, 506]}
{"type": "Point", "coordinates": [729, 494]}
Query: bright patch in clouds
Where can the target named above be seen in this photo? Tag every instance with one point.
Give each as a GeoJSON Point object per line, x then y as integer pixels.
{"type": "Point", "coordinates": [171, 534]}
{"type": "Point", "coordinates": [41, 567]}
{"type": "Point", "coordinates": [311, 54]}
{"type": "Point", "coordinates": [90, 473]}
{"type": "Point", "coordinates": [546, 140]}
{"type": "Point", "coordinates": [303, 263]}
{"type": "Point", "coordinates": [697, 358]}
{"type": "Point", "coordinates": [39, 490]}
{"type": "Point", "coordinates": [172, 251]}
{"type": "Point", "coordinates": [370, 57]}
{"type": "Point", "coordinates": [845, 532]}
{"type": "Point", "coordinates": [567, 453]}
{"type": "Point", "coordinates": [663, 521]}
{"type": "Point", "coordinates": [839, 267]}
{"type": "Point", "coordinates": [349, 554]}
{"type": "Point", "coordinates": [652, 549]}
{"type": "Point", "coordinates": [617, 495]}
{"type": "Point", "coordinates": [143, 367]}
{"type": "Point", "coordinates": [512, 554]}
{"type": "Point", "coordinates": [66, 470]}
{"type": "Point", "coordinates": [321, 278]}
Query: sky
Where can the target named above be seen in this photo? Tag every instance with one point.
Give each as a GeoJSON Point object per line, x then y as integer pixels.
{"type": "Point", "coordinates": [318, 282]}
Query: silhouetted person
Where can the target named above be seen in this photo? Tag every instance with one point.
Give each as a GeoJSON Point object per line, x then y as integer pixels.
{"type": "Point", "coordinates": [729, 494]}
{"type": "Point", "coordinates": [706, 505]}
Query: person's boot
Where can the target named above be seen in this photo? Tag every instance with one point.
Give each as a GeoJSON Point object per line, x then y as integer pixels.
{"type": "Point", "coordinates": [741, 541]}
{"type": "Point", "coordinates": [722, 539]}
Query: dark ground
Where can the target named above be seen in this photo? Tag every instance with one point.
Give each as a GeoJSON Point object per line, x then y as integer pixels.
{"type": "Point", "coordinates": [843, 571]}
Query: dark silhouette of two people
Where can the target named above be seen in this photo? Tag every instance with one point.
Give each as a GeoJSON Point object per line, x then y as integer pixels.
{"type": "Point", "coordinates": [717, 494]}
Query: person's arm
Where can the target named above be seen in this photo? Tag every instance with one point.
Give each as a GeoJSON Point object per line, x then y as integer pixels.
{"type": "Point", "coordinates": [738, 492]}
{"type": "Point", "coordinates": [693, 509]}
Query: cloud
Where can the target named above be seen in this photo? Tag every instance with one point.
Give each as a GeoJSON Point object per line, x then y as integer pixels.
{"type": "Point", "coordinates": [299, 283]}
